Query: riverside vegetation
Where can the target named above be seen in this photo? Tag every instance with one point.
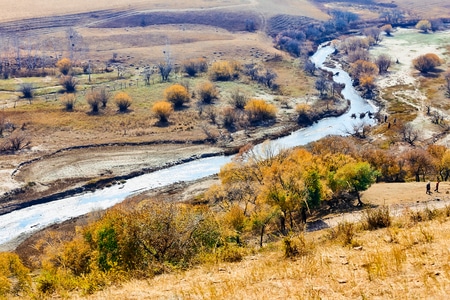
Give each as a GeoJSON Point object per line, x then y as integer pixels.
{"type": "Point", "coordinates": [259, 208]}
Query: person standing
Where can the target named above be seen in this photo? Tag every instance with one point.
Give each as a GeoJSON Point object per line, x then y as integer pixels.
{"type": "Point", "coordinates": [428, 188]}
{"type": "Point", "coordinates": [437, 186]}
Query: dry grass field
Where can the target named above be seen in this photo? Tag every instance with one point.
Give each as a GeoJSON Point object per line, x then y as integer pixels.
{"type": "Point", "coordinates": [408, 260]}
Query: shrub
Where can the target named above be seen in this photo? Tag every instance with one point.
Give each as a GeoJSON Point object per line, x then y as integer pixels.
{"type": "Point", "coordinates": [383, 63]}
{"type": "Point", "coordinates": [224, 70]}
{"type": "Point", "coordinates": [207, 92]}
{"type": "Point", "coordinates": [238, 99]}
{"type": "Point", "coordinates": [162, 110]}
{"type": "Point", "coordinates": [427, 62]}
{"type": "Point", "coordinates": [64, 65]}
{"type": "Point", "coordinates": [69, 83]}
{"type": "Point", "coordinates": [423, 25]}
{"type": "Point", "coordinates": [229, 118]}
{"type": "Point", "coordinates": [103, 96]}
{"type": "Point", "coordinates": [177, 95]}
{"type": "Point", "coordinates": [93, 99]}
{"type": "Point", "coordinates": [387, 29]}
{"type": "Point", "coordinates": [27, 90]}
{"type": "Point", "coordinates": [68, 101]}
{"type": "Point", "coordinates": [377, 218]}
{"type": "Point", "coordinates": [305, 114]}
{"type": "Point", "coordinates": [14, 276]}
{"type": "Point", "coordinates": [362, 67]}
{"type": "Point", "coordinates": [194, 66]}
{"type": "Point", "coordinates": [260, 110]}
{"type": "Point", "coordinates": [122, 101]}
{"type": "Point", "coordinates": [296, 246]}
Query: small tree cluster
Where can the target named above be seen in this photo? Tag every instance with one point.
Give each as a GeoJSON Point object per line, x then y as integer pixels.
{"type": "Point", "coordinates": [260, 74]}
{"type": "Point", "coordinates": [162, 110]}
{"type": "Point", "coordinates": [207, 92]}
{"type": "Point", "coordinates": [424, 26]}
{"type": "Point", "coordinates": [177, 94]}
{"type": "Point", "coordinates": [123, 101]}
{"type": "Point", "coordinates": [27, 90]}
{"type": "Point", "coordinates": [259, 110]}
{"type": "Point", "coordinates": [383, 62]}
{"type": "Point", "coordinates": [69, 83]}
{"type": "Point", "coordinates": [238, 99]}
{"type": "Point", "coordinates": [224, 70]}
{"type": "Point", "coordinates": [427, 62]}
{"type": "Point", "coordinates": [64, 65]}
{"type": "Point", "coordinates": [194, 66]}
{"type": "Point", "coordinates": [387, 29]}
{"type": "Point", "coordinates": [68, 102]}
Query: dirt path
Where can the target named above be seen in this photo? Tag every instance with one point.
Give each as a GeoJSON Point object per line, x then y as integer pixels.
{"type": "Point", "coordinates": [399, 197]}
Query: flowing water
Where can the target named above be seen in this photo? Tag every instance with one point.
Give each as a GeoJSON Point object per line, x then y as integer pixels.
{"type": "Point", "coordinates": [22, 222]}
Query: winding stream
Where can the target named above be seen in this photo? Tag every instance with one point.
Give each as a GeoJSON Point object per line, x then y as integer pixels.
{"type": "Point", "coordinates": [20, 223]}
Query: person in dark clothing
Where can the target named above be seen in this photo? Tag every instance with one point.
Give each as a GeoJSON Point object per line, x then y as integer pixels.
{"type": "Point", "coordinates": [429, 188]}
{"type": "Point", "coordinates": [437, 187]}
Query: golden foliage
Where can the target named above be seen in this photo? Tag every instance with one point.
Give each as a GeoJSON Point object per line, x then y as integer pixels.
{"type": "Point", "coordinates": [363, 68]}
{"type": "Point", "coordinates": [123, 101]}
{"type": "Point", "coordinates": [14, 276]}
{"type": "Point", "coordinates": [162, 110]}
{"type": "Point", "coordinates": [427, 62]}
{"type": "Point", "coordinates": [64, 65]}
{"type": "Point", "coordinates": [260, 110]}
{"type": "Point", "coordinates": [177, 94]}
{"type": "Point", "coordinates": [225, 70]}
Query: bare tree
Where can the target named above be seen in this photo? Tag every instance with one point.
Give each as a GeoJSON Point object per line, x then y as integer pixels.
{"type": "Point", "coordinates": [166, 66]}
{"type": "Point", "coordinates": [375, 33]}
{"type": "Point", "coordinates": [383, 63]}
{"type": "Point", "coordinates": [321, 85]}
{"type": "Point", "coordinates": [309, 67]}
{"type": "Point", "coordinates": [409, 133]}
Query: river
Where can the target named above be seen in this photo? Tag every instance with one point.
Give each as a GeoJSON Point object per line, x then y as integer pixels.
{"type": "Point", "coordinates": [20, 223]}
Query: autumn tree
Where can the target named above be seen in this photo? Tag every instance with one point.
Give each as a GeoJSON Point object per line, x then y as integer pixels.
{"type": "Point", "coordinates": [123, 101]}
{"type": "Point", "coordinates": [355, 177]}
{"type": "Point", "coordinates": [162, 110]}
{"type": "Point", "coordinates": [64, 65]}
{"type": "Point", "coordinates": [177, 94]}
{"type": "Point", "coordinates": [362, 67]}
{"type": "Point", "coordinates": [419, 163]}
{"type": "Point", "coordinates": [424, 26]}
{"type": "Point", "coordinates": [14, 276]}
{"type": "Point", "coordinates": [387, 29]}
{"type": "Point", "coordinates": [427, 62]}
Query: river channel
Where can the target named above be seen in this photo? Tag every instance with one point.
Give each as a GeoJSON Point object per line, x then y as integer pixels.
{"type": "Point", "coordinates": [20, 223]}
